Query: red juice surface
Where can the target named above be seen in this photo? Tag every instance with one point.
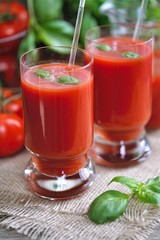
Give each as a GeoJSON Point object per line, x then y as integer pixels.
{"type": "Point", "coordinates": [154, 121]}
{"type": "Point", "coordinates": [122, 88]}
{"type": "Point", "coordinates": [58, 119]}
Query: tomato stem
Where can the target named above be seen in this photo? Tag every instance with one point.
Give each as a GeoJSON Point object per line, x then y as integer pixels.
{"type": "Point", "coordinates": [7, 16]}
{"type": "Point", "coordinates": [31, 12]}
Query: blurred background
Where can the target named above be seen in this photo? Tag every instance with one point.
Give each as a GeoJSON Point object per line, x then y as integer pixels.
{"type": "Point", "coordinates": [51, 22]}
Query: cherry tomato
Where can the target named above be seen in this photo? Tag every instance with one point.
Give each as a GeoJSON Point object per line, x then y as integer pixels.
{"type": "Point", "coordinates": [14, 18]}
{"type": "Point", "coordinates": [15, 106]}
{"type": "Point", "coordinates": [11, 134]}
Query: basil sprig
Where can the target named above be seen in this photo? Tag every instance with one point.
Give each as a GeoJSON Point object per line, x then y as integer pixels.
{"type": "Point", "coordinates": [130, 54]}
{"type": "Point", "coordinates": [111, 204]}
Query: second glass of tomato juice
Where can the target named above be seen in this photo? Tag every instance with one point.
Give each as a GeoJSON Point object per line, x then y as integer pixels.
{"type": "Point", "coordinates": [58, 115]}
{"type": "Point", "coordinates": [123, 93]}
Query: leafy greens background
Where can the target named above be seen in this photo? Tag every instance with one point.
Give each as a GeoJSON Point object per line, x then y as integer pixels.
{"type": "Point", "coordinates": [52, 21]}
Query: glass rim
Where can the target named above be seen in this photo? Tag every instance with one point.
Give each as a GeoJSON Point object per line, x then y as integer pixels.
{"type": "Point", "coordinates": [151, 25]}
{"type": "Point", "coordinates": [131, 25]}
{"type": "Point", "coordinates": [13, 37]}
{"type": "Point", "coordinates": [60, 46]}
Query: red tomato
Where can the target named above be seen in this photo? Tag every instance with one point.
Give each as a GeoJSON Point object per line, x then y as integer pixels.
{"type": "Point", "coordinates": [14, 18]}
{"type": "Point", "coordinates": [15, 106]}
{"type": "Point", "coordinates": [11, 134]}
{"type": "Point", "coordinates": [8, 69]}
{"type": "Point", "coordinates": [7, 93]}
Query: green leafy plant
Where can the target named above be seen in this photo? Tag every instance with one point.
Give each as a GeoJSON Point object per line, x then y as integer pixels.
{"type": "Point", "coordinates": [46, 26]}
{"type": "Point", "coordinates": [152, 11]}
{"type": "Point", "coordinates": [52, 22]}
{"type": "Point", "coordinates": [112, 204]}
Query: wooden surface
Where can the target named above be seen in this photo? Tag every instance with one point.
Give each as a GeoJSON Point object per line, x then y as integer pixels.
{"type": "Point", "coordinates": [12, 235]}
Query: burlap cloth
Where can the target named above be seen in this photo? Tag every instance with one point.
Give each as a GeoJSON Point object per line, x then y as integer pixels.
{"type": "Point", "coordinates": [61, 220]}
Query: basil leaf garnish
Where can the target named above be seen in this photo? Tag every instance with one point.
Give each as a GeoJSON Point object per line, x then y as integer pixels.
{"type": "Point", "coordinates": [128, 182]}
{"type": "Point", "coordinates": [43, 73]}
{"type": "Point", "coordinates": [130, 54]}
{"type": "Point", "coordinates": [67, 80]}
{"type": "Point", "coordinates": [102, 47]}
{"type": "Point", "coordinates": [108, 206]}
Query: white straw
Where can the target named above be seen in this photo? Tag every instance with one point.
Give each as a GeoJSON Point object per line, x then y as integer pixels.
{"type": "Point", "coordinates": [140, 18]}
{"type": "Point", "coordinates": [76, 33]}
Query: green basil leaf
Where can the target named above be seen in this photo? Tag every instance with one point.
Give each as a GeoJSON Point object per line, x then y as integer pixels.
{"type": "Point", "coordinates": [67, 80]}
{"type": "Point", "coordinates": [60, 26]}
{"type": "Point", "coordinates": [148, 196]}
{"type": "Point", "coordinates": [43, 73]}
{"type": "Point", "coordinates": [47, 10]}
{"type": "Point", "coordinates": [51, 38]}
{"type": "Point", "coordinates": [28, 43]}
{"type": "Point", "coordinates": [102, 47]}
{"type": "Point", "coordinates": [129, 182]}
{"type": "Point", "coordinates": [88, 22]}
{"type": "Point", "coordinates": [108, 206]}
{"type": "Point", "coordinates": [153, 184]}
{"type": "Point", "coordinates": [130, 54]}
{"type": "Point", "coordinates": [151, 181]}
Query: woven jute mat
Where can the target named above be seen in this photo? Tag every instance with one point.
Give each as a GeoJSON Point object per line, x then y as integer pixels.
{"type": "Point", "coordinates": [46, 220]}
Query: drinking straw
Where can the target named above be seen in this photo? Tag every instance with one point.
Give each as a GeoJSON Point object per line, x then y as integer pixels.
{"type": "Point", "coordinates": [139, 20]}
{"type": "Point", "coordinates": [76, 33]}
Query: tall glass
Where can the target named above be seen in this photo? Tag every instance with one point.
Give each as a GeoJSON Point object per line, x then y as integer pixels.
{"type": "Point", "coordinates": [58, 115]}
{"type": "Point", "coordinates": [123, 93]}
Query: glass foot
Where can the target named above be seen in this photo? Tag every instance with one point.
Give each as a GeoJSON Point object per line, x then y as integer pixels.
{"type": "Point", "coordinates": [59, 188]}
{"type": "Point", "coordinates": [119, 154]}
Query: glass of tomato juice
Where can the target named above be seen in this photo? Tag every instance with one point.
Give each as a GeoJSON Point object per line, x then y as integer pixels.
{"type": "Point", "coordinates": [123, 93]}
{"type": "Point", "coordinates": [58, 116]}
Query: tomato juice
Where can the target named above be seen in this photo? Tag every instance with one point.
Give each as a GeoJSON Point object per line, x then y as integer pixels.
{"type": "Point", "coordinates": [58, 118]}
{"type": "Point", "coordinates": [123, 89]}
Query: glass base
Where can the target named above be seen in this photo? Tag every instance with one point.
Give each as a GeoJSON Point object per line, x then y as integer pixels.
{"type": "Point", "coordinates": [59, 188]}
{"type": "Point", "coordinates": [119, 154]}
